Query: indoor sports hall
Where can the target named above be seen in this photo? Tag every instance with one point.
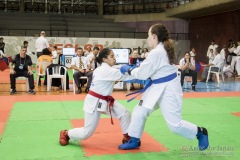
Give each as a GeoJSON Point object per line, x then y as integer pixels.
{"type": "Point", "coordinates": [30, 124]}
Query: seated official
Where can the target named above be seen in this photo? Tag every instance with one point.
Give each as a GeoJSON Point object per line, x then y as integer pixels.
{"type": "Point", "coordinates": [187, 68]}
{"type": "Point", "coordinates": [21, 67]}
{"type": "Point", "coordinates": [81, 65]}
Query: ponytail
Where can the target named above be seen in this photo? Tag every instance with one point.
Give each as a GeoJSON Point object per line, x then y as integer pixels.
{"type": "Point", "coordinates": [163, 36]}
{"type": "Point", "coordinates": [168, 45]}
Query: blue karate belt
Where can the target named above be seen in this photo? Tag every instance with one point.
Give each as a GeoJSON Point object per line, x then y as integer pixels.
{"type": "Point", "coordinates": [156, 81]}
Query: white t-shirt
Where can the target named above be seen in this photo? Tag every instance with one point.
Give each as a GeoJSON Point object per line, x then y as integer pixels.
{"type": "Point", "coordinates": [41, 43]}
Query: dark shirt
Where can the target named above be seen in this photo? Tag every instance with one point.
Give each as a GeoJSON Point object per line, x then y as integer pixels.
{"type": "Point", "coordinates": [21, 64]}
{"type": "Point", "coordinates": [2, 45]}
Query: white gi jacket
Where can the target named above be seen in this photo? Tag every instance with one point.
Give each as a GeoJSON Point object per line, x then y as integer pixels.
{"type": "Point", "coordinates": [103, 81]}
{"type": "Point", "coordinates": [155, 66]}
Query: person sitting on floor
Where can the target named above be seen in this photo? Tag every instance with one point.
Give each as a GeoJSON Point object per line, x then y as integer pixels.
{"type": "Point", "coordinates": [21, 68]}
{"type": "Point", "coordinates": [187, 68]}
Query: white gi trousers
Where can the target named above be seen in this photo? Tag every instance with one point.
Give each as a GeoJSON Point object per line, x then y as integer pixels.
{"type": "Point", "coordinates": [91, 121]}
{"type": "Point", "coordinates": [170, 104]}
{"type": "Point", "coordinates": [238, 65]}
{"type": "Point", "coordinates": [234, 60]}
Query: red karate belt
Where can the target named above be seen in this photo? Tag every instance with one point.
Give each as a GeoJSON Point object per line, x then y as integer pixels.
{"type": "Point", "coordinates": [109, 99]}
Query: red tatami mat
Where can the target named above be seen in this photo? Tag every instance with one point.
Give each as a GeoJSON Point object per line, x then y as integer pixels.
{"type": "Point", "coordinates": [107, 137]}
{"type": "Point", "coordinates": [236, 114]}
{"type": "Point", "coordinates": [5, 109]}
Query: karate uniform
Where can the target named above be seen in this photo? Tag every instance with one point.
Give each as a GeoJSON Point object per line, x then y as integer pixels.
{"type": "Point", "coordinates": [104, 78]}
{"type": "Point", "coordinates": [167, 96]}
{"type": "Point", "coordinates": [209, 55]}
{"type": "Point", "coordinates": [235, 59]}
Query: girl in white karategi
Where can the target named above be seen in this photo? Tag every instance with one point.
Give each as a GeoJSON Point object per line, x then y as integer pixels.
{"type": "Point", "coordinates": [97, 100]}
{"type": "Point", "coordinates": [211, 52]}
{"type": "Point", "coordinates": [164, 91]}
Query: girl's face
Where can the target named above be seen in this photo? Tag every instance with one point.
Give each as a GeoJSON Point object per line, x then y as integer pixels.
{"type": "Point", "coordinates": [110, 60]}
{"type": "Point", "coordinates": [187, 56]}
{"type": "Point", "coordinates": [151, 39]}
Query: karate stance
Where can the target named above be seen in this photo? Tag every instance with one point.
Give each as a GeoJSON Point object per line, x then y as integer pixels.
{"type": "Point", "coordinates": [164, 92]}
{"type": "Point", "coordinates": [97, 100]}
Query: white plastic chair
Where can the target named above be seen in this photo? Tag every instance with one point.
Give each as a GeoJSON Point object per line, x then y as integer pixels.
{"type": "Point", "coordinates": [41, 69]}
{"type": "Point", "coordinates": [74, 86]}
{"type": "Point", "coordinates": [217, 73]}
{"type": "Point", "coordinates": [56, 73]}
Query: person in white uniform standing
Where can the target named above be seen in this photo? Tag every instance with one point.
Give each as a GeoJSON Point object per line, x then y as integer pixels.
{"type": "Point", "coordinates": [55, 55]}
{"type": "Point", "coordinates": [41, 43]}
{"type": "Point", "coordinates": [164, 92]}
{"type": "Point", "coordinates": [212, 54]}
{"type": "Point", "coordinates": [97, 100]}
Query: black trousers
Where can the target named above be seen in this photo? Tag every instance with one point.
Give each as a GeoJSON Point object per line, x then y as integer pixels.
{"type": "Point", "coordinates": [78, 74]}
{"type": "Point", "coordinates": [21, 74]}
{"type": "Point", "coordinates": [191, 73]}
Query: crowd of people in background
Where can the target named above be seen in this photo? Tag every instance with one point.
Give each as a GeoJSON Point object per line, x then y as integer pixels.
{"type": "Point", "coordinates": [85, 62]}
{"type": "Point", "coordinates": [224, 59]}
{"type": "Point", "coordinates": [229, 54]}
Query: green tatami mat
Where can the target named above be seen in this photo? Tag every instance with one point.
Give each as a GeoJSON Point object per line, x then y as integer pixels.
{"type": "Point", "coordinates": [32, 132]}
